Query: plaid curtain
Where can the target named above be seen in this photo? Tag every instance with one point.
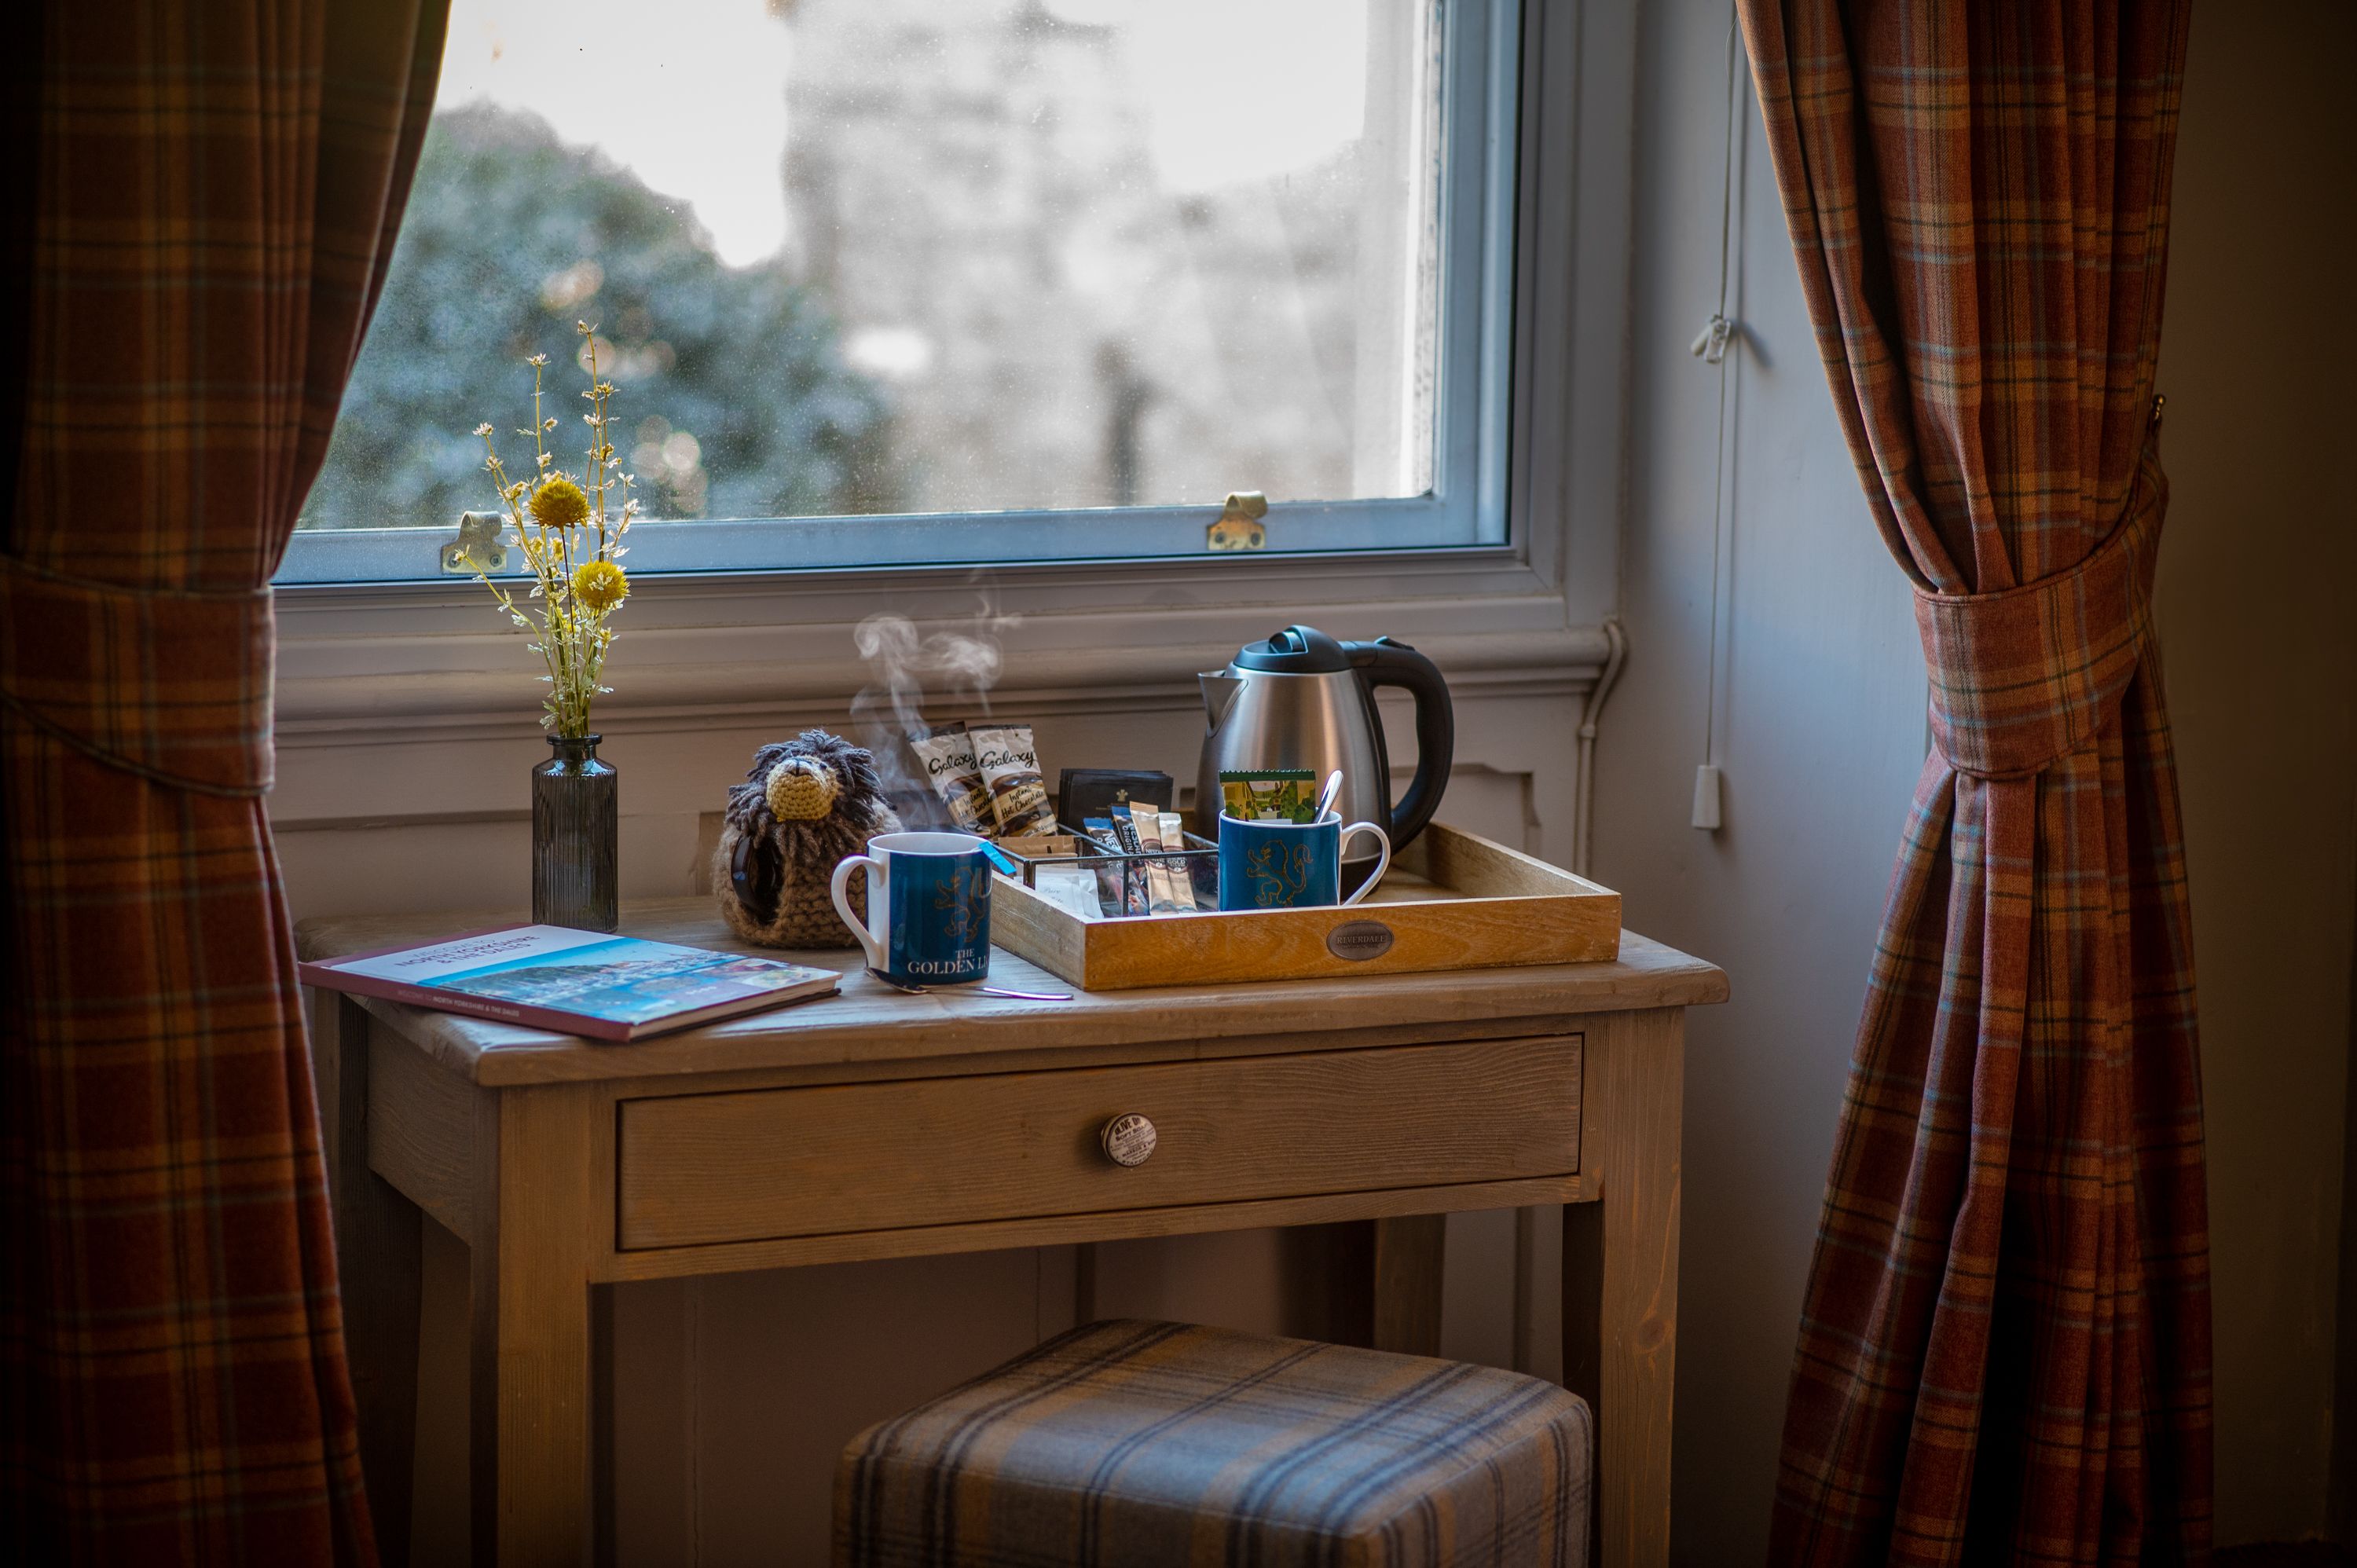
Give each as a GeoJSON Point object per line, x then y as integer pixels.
{"type": "Point", "coordinates": [2005, 1348]}
{"type": "Point", "coordinates": [200, 200]}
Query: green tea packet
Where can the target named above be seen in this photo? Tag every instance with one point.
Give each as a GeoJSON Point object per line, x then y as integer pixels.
{"type": "Point", "coordinates": [1269, 794]}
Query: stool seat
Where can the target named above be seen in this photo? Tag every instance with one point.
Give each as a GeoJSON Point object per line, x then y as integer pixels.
{"type": "Point", "coordinates": [1137, 1445]}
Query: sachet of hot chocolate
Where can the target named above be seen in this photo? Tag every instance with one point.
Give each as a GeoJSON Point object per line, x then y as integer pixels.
{"type": "Point", "coordinates": [1010, 768]}
{"type": "Point", "coordinates": [946, 752]}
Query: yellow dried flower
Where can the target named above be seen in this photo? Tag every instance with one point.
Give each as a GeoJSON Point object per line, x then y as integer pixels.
{"type": "Point", "coordinates": [599, 584]}
{"type": "Point", "coordinates": [559, 503]}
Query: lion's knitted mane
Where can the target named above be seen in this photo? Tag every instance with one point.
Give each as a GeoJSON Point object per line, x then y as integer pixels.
{"type": "Point", "coordinates": [770, 875]}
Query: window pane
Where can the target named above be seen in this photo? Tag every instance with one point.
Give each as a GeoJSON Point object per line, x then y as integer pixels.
{"type": "Point", "coordinates": [861, 256]}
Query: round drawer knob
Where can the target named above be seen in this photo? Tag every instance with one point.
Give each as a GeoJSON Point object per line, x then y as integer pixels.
{"type": "Point", "coordinates": [1128, 1140]}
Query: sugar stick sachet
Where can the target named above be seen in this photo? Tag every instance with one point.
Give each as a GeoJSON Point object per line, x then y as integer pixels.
{"type": "Point", "coordinates": [1162, 894]}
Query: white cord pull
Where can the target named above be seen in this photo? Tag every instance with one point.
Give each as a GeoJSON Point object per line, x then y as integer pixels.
{"type": "Point", "coordinates": [1710, 343]}
{"type": "Point", "coordinates": [1705, 800]}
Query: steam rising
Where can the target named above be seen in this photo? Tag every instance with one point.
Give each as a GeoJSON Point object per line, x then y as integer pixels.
{"type": "Point", "coordinates": [960, 662]}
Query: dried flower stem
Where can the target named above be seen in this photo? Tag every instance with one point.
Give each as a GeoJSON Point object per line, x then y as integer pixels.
{"type": "Point", "coordinates": [576, 591]}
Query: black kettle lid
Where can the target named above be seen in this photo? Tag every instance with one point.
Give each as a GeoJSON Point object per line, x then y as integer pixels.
{"type": "Point", "coordinates": [1295, 651]}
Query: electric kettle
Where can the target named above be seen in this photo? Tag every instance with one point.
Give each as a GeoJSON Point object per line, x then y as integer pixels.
{"type": "Point", "coordinates": [1303, 700]}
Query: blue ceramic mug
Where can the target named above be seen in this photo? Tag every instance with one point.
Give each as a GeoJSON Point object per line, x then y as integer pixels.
{"type": "Point", "coordinates": [928, 906]}
{"type": "Point", "coordinates": [1291, 865]}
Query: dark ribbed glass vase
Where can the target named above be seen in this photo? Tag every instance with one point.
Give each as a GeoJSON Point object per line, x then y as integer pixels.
{"type": "Point", "coordinates": [576, 821]}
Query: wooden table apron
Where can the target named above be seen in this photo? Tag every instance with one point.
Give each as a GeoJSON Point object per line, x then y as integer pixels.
{"type": "Point", "coordinates": [878, 1125]}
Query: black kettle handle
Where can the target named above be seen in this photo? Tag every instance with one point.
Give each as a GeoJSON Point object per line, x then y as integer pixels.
{"type": "Point", "coordinates": [1384, 663]}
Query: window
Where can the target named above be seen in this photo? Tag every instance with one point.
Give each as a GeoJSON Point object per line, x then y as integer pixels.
{"type": "Point", "coordinates": [893, 282]}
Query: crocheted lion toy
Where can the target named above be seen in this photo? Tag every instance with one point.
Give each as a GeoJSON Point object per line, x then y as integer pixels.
{"type": "Point", "coordinates": [806, 803]}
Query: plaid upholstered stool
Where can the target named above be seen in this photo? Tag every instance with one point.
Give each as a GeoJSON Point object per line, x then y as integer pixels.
{"type": "Point", "coordinates": [1163, 1445]}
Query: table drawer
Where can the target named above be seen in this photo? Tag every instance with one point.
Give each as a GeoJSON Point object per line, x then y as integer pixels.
{"type": "Point", "coordinates": [697, 1169]}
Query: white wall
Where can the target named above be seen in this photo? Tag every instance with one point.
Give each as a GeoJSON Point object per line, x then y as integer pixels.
{"type": "Point", "coordinates": [1824, 734]}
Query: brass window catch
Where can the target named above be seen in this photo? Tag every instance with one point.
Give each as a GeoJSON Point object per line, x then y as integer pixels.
{"type": "Point", "coordinates": [1239, 524]}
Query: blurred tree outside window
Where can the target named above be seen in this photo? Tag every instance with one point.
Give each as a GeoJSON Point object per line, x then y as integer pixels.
{"type": "Point", "coordinates": [732, 380]}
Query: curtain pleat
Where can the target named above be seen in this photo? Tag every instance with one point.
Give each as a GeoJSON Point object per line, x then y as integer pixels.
{"type": "Point", "coordinates": [200, 210]}
{"type": "Point", "coordinates": [2004, 1351]}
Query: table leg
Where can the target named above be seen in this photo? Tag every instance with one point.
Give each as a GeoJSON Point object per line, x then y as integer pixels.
{"type": "Point", "coordinates": [530, 1393]}
{"type": "Point", "coordinates": [1621, 1274]}
{"type": "Point", "coordinates": [1410, 1253]}
{"type": "Point", "coordinates": [377, 1261]}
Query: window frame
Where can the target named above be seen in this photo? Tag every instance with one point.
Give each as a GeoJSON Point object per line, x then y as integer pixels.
{"type": "Point", "coordinates": [366, 665]}
{"type": "Point", "coordinates": [1466, 507]}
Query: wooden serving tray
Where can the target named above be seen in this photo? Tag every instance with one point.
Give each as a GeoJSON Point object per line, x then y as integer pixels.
{"type": "Point", "coordinates": [1452, 901]}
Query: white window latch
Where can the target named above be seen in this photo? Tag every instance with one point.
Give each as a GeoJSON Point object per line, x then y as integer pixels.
{"type": "Point", "coordinates": [1710, 343]}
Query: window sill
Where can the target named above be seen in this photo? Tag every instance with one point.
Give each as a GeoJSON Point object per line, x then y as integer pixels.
{"type": "Point", "coordinates": [409, 662]}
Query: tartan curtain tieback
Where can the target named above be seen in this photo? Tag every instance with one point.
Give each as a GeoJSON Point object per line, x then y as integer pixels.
{"type": "Point", "coordinates": [172, 685]}
{"type": "Point", "coordinates": [2023, 678]}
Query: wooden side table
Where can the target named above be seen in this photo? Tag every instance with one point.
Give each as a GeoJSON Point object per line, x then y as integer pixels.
{"type": "Point", "coordinates": [879, 1124]}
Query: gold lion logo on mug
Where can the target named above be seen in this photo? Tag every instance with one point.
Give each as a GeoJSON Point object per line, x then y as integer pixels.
{"type": "Point", "coordinates": [964, 897]}
{"type": "Point", "coordinates": [1279, 873]}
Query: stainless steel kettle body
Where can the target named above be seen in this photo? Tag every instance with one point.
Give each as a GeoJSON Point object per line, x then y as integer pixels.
{"type": "Point", "coordinates": [1303, 700]}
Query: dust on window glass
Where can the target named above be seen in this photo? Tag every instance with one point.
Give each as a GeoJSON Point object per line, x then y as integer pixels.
{"type": "Point", "coordinates": [867, 256]}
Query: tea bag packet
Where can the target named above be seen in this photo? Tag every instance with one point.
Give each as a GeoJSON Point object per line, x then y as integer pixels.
{"type": "Point", "coordinates": [1203, 880]}
{"type": "Point", "coordinates": [1010, 768]}
{"type": "Point", "coordinates": [1135, 899]}
{"type": "Point", "coordinates": [1108, 871]}
{"type": "Point", "coordinates": [946, 753]}
{"type": "Point", "coordinates": [1072, 889]}
{"type": "Point", "coordinates": [1269, 795]}
{"type": "Point", "coordinates": [1085, 792]}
